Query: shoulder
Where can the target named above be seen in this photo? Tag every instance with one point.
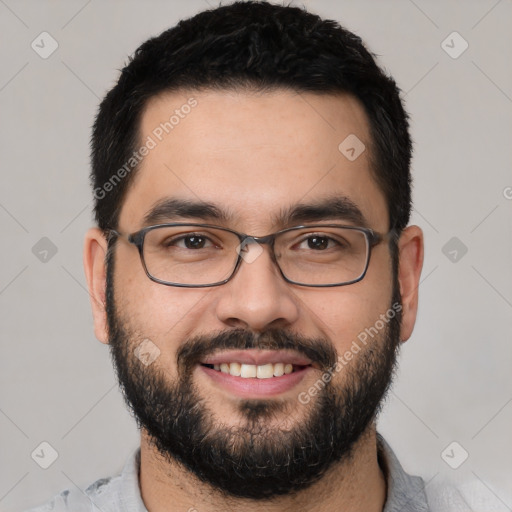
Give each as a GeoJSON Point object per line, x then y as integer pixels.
{"type": "Point", "coordinates": [462, 496]}
{"type": "Point", "coordinates": [111, 494]}
{"type": "Point", "coordinates": [91, 500]}
{"type": "Point", "coordinates": [458, 493]}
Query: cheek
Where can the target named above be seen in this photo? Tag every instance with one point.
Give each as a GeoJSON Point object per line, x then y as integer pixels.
{"type": "Point", "coordinates": [147, 304]}
{"type": "Point", "coordinates": [344, 313]}
{"type": "Point", "coordinates": [347, 317]}
{"type": "Point", "coordinates": [164, 314]}
{"type": "Point", "coordinates": [159, 308]}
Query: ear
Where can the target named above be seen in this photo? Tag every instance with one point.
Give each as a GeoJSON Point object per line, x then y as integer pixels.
{"type": "Point", "coordinates": [95, 250]}
{"type": "Point", "coordinates": [410, 248]}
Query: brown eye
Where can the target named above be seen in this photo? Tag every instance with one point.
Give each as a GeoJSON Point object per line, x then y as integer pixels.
{"type": "Point", "coordinates": [318, 242]}
{"type": "Point", "coordinates": [191, 241]}
{"type": "Point", "coordinates": [194, 242]}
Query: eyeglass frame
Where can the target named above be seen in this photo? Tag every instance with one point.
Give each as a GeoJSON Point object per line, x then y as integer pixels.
{"type": "Point", "coordinates": [373, 238]}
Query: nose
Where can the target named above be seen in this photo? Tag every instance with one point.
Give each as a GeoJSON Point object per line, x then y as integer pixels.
{"type": "Point", "coordinates": [257, 297]}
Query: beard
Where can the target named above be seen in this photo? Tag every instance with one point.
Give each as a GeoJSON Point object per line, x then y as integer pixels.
{"type": "Point", "coordinates": [254, 460]}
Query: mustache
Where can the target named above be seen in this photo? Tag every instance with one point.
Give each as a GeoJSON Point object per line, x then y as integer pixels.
{"type": "Point", "coordinates": [318, 350]}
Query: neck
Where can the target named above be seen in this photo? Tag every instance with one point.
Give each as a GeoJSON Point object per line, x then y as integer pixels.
{"type": "Point", "coordinates": [354, 485]}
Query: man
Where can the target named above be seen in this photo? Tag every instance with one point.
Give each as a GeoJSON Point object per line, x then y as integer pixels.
{"type": "Point", "coordinates": [252, 269]}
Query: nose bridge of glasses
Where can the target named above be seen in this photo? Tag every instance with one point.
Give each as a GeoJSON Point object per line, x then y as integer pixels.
{"type": "Point", "coordinates": [244, 249]}
{"type": "Point", "coordinates": [260, 240]}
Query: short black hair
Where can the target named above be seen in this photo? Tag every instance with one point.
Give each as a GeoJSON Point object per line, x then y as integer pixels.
{"type": "Point", "coordinates": [256, 46]}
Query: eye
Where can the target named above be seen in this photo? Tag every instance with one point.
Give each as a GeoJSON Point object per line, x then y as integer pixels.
{"type": "Point", "coordinates": [191, 241]}
{"type": "Point", "coordinates": [318, 242]}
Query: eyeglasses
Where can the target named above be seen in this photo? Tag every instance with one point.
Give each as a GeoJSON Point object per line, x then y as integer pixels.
{"type": "Point", "coordinates": [203, 255]}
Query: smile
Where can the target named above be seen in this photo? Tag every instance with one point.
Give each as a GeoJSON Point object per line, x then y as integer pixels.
{"type": "Point", "coordinates": [264, 371]}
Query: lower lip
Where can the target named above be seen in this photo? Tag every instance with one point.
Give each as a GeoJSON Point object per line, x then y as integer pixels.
{"type": "Point", "coordinates": [256, 388]}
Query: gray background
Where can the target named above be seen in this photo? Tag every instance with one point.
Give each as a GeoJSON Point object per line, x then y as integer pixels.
{"type": "Point", "coordinates": [454, 383]}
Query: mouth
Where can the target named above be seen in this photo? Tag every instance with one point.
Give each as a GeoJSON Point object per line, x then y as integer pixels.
{"type": "Point", "coordinates": [255, 373]}
{"type": "Point", "coordinates": [252, 371]}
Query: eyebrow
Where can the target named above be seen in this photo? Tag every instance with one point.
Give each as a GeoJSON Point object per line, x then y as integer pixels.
{"type": "Point", "coordinates": [169, 209]}
{"type": "Point", "coordinates": [337, 208]}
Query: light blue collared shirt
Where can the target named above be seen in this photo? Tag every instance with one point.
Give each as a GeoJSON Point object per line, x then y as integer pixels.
{"type": "Point", "coordinates": [121, 493]}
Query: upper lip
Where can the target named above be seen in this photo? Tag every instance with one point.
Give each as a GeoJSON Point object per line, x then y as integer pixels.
{"type": "Point", "coordinates": [257, 357]}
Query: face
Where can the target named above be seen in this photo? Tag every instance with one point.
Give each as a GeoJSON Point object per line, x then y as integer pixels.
{"type": "Point", "coordinates": [262, 162]}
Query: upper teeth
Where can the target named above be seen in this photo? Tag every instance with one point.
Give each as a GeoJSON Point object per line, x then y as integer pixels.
{"type": "Point", "coordinates": [264, 371]}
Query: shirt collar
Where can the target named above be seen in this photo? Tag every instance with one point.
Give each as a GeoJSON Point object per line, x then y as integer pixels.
{"type": "Point", "coordinates": [131, 498]}
{"type": "Point", "coordinates": [405, 493]}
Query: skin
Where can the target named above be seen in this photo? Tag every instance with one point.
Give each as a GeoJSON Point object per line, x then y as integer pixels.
{"type": "Point", "coordinates": [255, 153]}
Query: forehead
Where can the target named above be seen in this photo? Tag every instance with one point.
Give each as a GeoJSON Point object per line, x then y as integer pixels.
{"type": "Point", "coordinates": [253, 155]}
